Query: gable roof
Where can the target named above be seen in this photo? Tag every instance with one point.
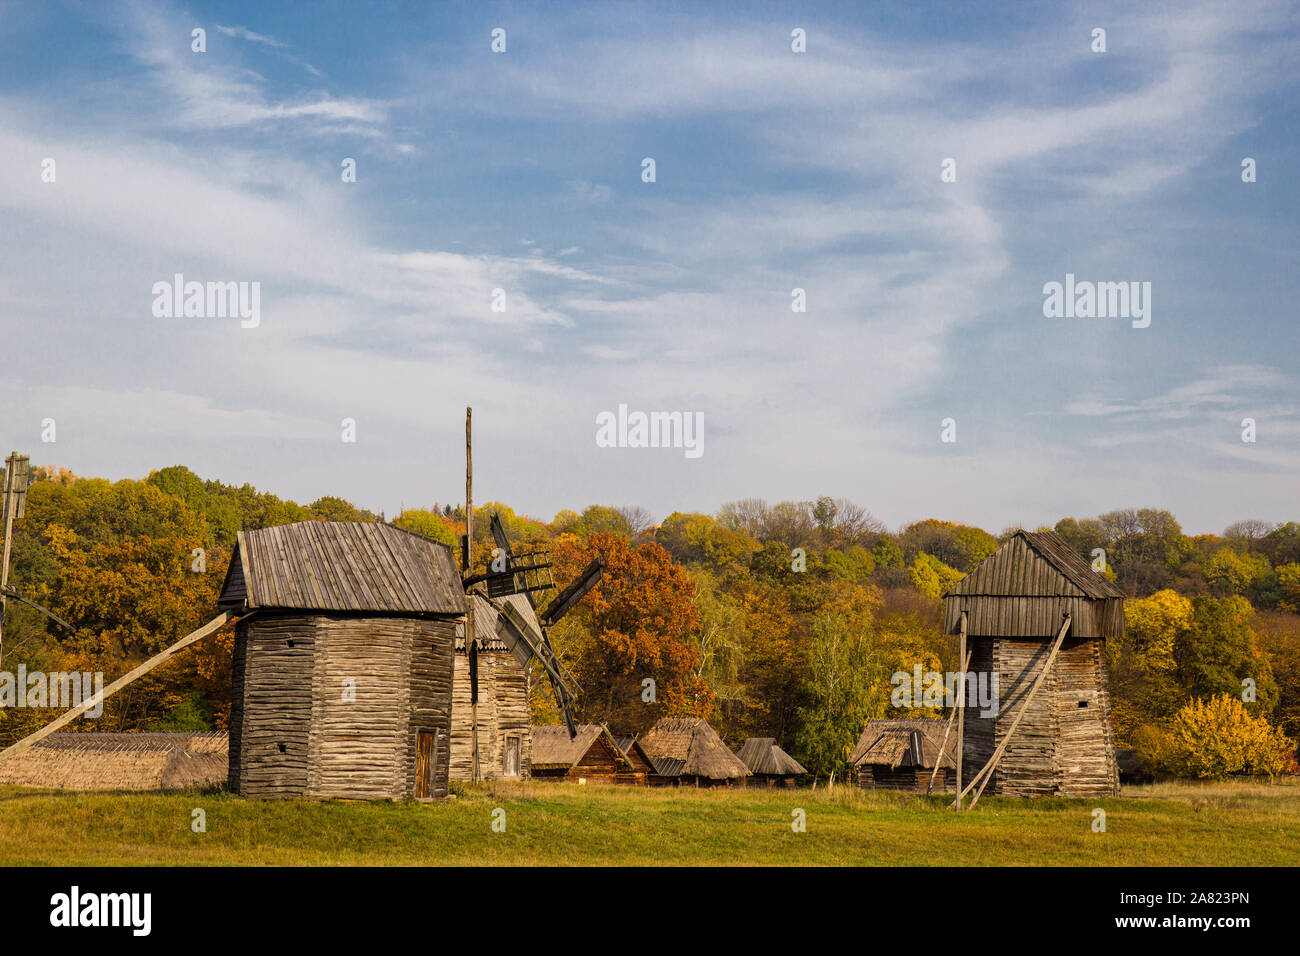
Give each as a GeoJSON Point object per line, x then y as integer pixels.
{"type": "Point", "coordinates": [553, 749]}
{"type": "Point", "coordinates": [1035, 564]}
{"type": "Point", "coordinates": [687, 746]}
{"type": "Point", "coordinates": [904, 742]}
{"type": "Point", "coordinates": [342, 566]}
{"type": "Point", "coordinates": [762, 756]}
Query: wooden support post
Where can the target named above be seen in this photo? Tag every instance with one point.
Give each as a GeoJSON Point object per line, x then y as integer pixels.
{"type": "Point", "coordinates": [961, 708]}
{"type": "Point", "coordinates": [159, 658]}
{"type": "Point", "coordinates": [10, 472]}
{"type": "Point", "coordinates": [985, 775]}
{"type": "Point", "coordinates": [943, 745]}
{"type": "Point", "coordinates": [471, 656]}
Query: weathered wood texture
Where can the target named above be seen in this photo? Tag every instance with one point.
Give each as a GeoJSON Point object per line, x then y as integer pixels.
{"type": "Point", "coordinates": [342, 566]}
{"type": "Point", "coordinates": [1060, 747]}
{"type": "Point", "coordinates": [1027, 586]}
{"type": "Point", "coordinates": [331, 705]}
{"type": "Point", "coordinates": [503, 713]}
{"type": "Point", "coordinates": [1014, 603]}
{"type": "Point", "coordinates": [916, 779]}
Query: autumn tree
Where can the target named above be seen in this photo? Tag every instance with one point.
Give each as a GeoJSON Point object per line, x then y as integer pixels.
{"type": "Point", "coordinates": [637, 625]}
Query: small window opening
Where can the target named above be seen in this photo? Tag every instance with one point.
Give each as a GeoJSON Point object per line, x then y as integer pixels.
{"type": "Point", "coordinates": [282, 748]}
{"type": "Point", "coordinates": [1083, 703]}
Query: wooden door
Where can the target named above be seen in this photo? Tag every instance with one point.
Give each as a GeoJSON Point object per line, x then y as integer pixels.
{"type": "Point", "coordinates": [510, 766]}
{"type": "Point", "coordinates": [426, 764]}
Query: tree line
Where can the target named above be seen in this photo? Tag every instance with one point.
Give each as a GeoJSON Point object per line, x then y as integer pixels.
{"type": "Point", "coordinates": [785, 620]}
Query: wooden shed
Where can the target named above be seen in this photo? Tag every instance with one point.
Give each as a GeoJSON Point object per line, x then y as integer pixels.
{"type": "Point", "coordinates": [342, 662]}
{"type": "Point", "coordinates": [1036, 616]}
{"type": "Point", "coordinates": [640, 760]}
{"type": "Point", "coordinates": [769, 765]}
{"type": "Point", "coordinates": [120, 761]}
{"type": "Point", "coordinates": [686, 751]}
{"type": "Point", "coordinates": [901, 755]}
{"type": "Point", "coordinates": [499, 686]}
{"type": "Point", "coordinates": [592, 756]}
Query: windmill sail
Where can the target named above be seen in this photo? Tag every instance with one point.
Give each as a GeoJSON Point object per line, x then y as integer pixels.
{"type": "Point", "coordinates": [571, 595]}
{"type": "Point", "coordinates": [513, 587]}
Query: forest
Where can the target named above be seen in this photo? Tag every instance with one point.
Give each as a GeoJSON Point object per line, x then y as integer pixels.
{"type": "Point", "coordinates": [784, 620]}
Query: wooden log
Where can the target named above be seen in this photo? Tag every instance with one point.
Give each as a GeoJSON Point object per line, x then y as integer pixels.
{"type": "Point", "coordinates": [961, 708]}
{"type": "Point", "coordinates": [160, 658]}
{"type": "Point", "coordinates": [943, 744]}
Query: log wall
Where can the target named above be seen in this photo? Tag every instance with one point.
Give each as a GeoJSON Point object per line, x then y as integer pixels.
{"type": "Point", "coordinates": [503, 711]}
{"type": "Point", "coordinates": [271, 712]}
{"type": "Point", "coordinates": [1060, 747]}
{"type": "Point", "coordinates": [298, 730]}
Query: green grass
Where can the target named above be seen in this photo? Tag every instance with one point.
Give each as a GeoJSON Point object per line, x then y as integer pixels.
{"type": "Point", "coordinates": [1186, 824]}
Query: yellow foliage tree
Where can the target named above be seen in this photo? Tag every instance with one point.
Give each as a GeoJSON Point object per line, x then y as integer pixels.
{"type": "Point", "coordinates": [1216, 737]}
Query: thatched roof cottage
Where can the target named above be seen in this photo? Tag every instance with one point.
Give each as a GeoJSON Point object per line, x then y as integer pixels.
{"type": "Point", "coordinates": [641, 762]}
{"type": "Point", "coordinates": [116, 761]}
{"type": "Point", "coordinates": [592, 756]}
{"type": "Point", "coordinates": [343, 661]}
{"type": "Point", "coordinates": [686, 751]}
{"type": "Point", "coordinates": [768, 764]}
{"type": "Point", "coordinates": [901, 755]}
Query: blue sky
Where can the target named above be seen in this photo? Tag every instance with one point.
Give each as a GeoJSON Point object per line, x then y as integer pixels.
{"type": "Point", "coordinates": [775, 170]}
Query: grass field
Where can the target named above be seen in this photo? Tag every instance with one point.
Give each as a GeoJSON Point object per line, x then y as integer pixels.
{"type": "Point", "coordinates": [1226, 824]}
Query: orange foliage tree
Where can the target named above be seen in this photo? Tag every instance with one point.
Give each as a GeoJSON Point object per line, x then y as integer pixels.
{"type": "Point", "coordinates": [633, 626]}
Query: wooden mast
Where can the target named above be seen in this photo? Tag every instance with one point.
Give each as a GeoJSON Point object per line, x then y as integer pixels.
{"type": "Point", "coordinates": [471, 650]}
{"type": "Point", "coordinates": [947, 730]}
{"type": "Point", "coordinates": [11, 476]}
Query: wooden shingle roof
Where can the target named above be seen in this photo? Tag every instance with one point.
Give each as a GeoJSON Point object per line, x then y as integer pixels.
{"type": "Point", "coordinates": [1027, 587]}
{"type": "Point", "coordinates": [342, 566]}
{"type": "Point", "coordinates": [1036, 564]}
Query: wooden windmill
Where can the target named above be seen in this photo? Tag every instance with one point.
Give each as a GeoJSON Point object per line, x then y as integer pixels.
{"type": "Point", "coordinates": [525, 573]}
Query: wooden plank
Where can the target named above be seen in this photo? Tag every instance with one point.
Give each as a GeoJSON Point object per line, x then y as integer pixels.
{"type": "Point", "coordinates": [159, 658]}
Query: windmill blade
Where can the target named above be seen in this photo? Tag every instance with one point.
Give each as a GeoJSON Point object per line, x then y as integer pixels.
{"type": "Point", "coordinates": [499, 536]}
{"type": "Point", "coordinates": [571, 595]}
{"type": "Point", "coordinates": [527, 639]}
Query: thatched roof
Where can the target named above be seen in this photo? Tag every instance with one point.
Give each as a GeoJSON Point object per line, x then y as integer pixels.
{"type": "Point", "coordinates": [112, 761]}
{"type": "Point", "coordinates": [553, 749]}
{"type": "Point", "coordinates": [762, 756]}
{"type": "Point", "coordinates": [342, 566]}
{"type": "Point", "coordinates": [905, 743]}
{"type": "Point", "coordinates": [685, 746]}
